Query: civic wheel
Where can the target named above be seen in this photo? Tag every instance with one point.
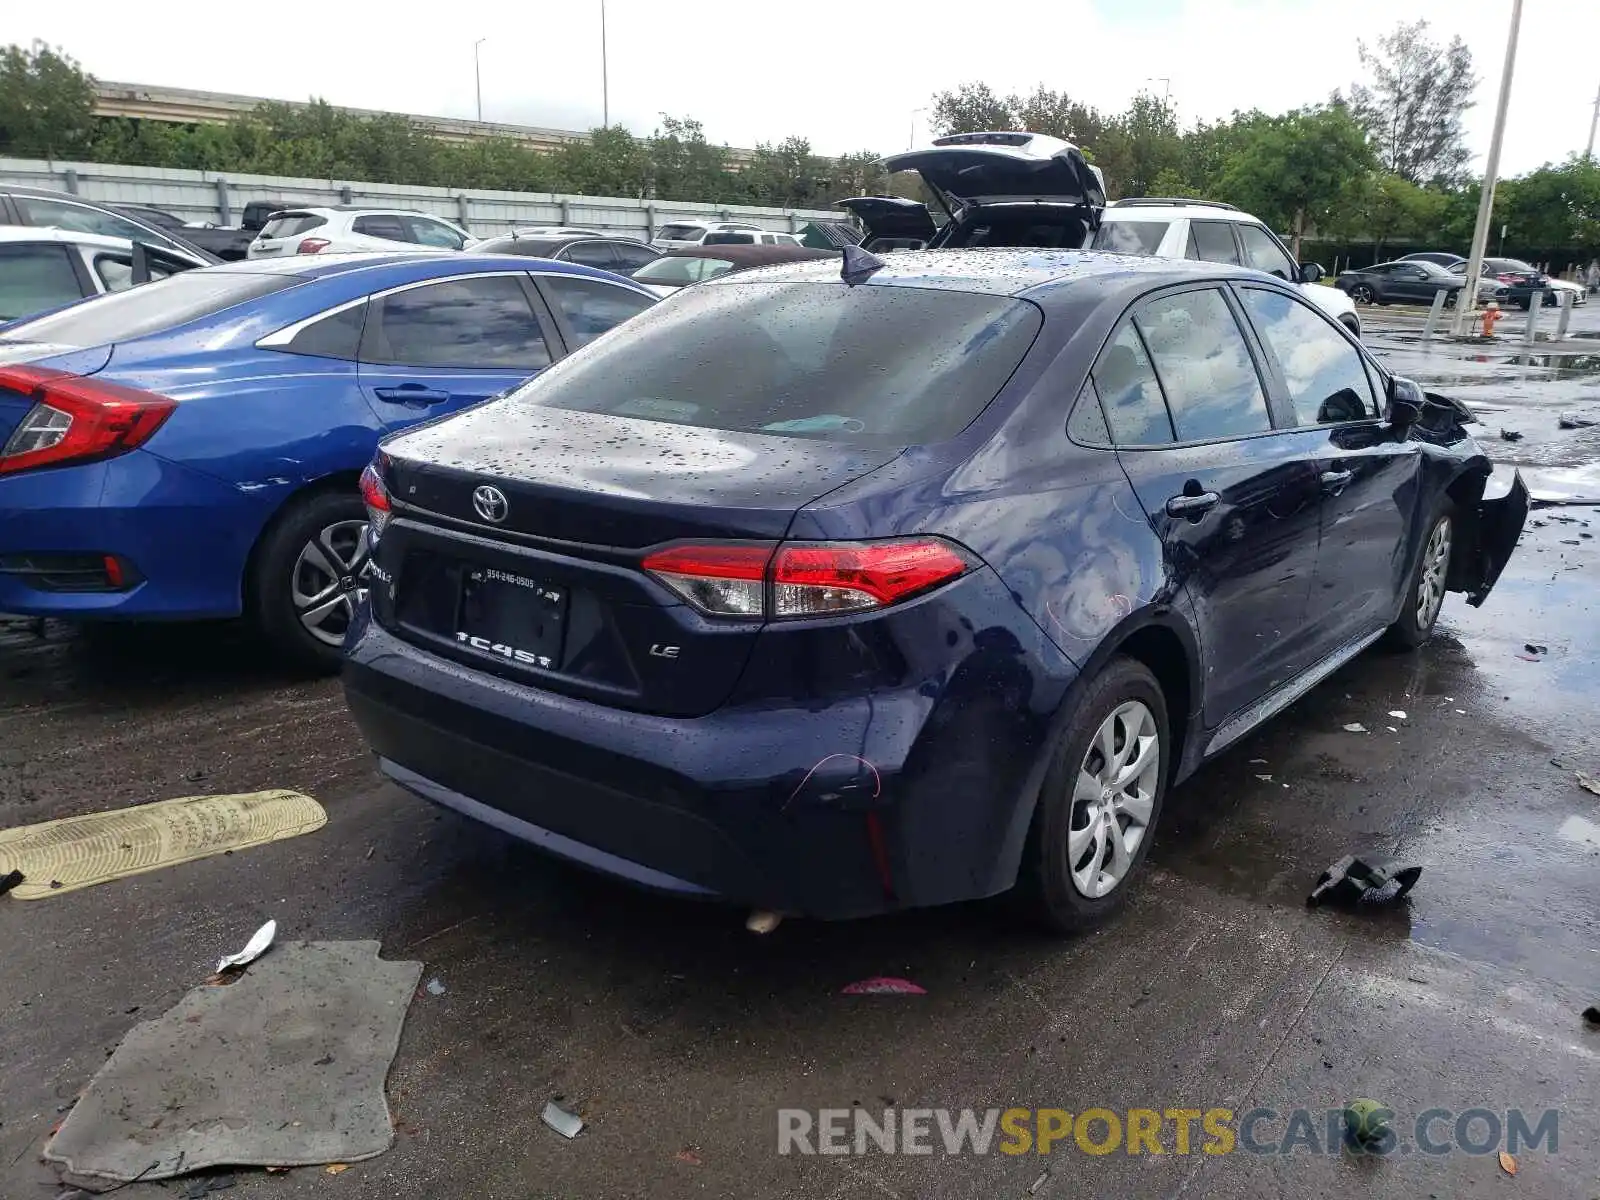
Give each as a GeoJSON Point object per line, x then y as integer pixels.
{"type": "Point", "coordinates": [325, 581]}
{"type": "Point", "coordinates": [305, 584]}
{"type": "Point", "coordinates": [1362, 294]}
{"type": "Point", "coordinates": [1113, 799]}
{"type": "Point", "coordinates": [1424, 595]}
{"type": "Point", "coordinates": [1097, 810]}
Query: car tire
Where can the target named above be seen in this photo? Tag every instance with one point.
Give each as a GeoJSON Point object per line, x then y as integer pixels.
{"type": "Point", "coordinates": [306, 581]}
{"type": "Point", "coordinates": [1425, 587]}
{"type": "Point", "coordinates": [1352, 324]}
{"type": "Point", "coordinates": [1362, 294]}
{"type": "Point", "coordinates": [1065, 866]}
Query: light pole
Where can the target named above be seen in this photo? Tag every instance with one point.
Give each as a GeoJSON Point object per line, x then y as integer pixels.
{"type": "Point", "coordinates": [911, 138]}
{"type": "Point", "coordinates": [1491, 169]}
{"type": "Point", "coordinates": [1594, 123]}
{"type": "Point", "coordinates": [605, 80]}
{"type": "Point", "coordinates": [477, 76]}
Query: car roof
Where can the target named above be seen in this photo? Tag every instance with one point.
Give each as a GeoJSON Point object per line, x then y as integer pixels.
{"type": "Point", "coordinates": [408, 266]}
{"type": "Point", "coordinates": [746, 255]}
{"type": "Point", "coordinates": [1006, 272]}
{"type": "Point", "coordinates": [49, 233]}
{"type": "Point", "coordinates": [1170, 210]}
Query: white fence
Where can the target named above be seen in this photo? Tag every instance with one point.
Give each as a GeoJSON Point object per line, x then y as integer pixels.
{"type": "Point", "coordinates": [220, 198]}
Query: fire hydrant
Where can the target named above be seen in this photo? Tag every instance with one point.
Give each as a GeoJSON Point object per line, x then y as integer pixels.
{"type": "Point", "coordinates": [1491, 314]}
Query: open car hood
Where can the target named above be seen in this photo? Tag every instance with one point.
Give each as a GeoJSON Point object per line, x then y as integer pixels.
{"type": "Point", "coordinates": [979, 168]}
{"type": "Point", "coordinates": [891, 217]}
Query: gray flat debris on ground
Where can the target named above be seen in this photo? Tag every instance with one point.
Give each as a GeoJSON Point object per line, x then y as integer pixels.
{"type": "Point", "coordinates": [284, 1067]}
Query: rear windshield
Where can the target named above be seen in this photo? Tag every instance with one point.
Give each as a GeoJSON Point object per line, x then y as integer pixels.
{"type": "Point", "coordinates": [680, 233]}
{"type": "Point", "coordinates": [289, 224]}
{"type": "Point", "coordinates": [730, 238]}
{"type": "Point", "coordinates": [1131, 237]}
{"type": "Point", "coordinates": [875, 366]}
{"type": "Point", "coordinates": [671, 271]}
{"type": "Point", "coordinates": [155, 307]}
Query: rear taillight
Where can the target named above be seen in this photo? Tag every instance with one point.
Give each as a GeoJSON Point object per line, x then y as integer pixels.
{"type": "Point", "coordinates": [805, 579]}
{"type": "Point", "coordinates": [376, 498]}
{"type": "Point", "coordinates": [312, 245]}
{"type": "Point", "coordinates": [76, 419]}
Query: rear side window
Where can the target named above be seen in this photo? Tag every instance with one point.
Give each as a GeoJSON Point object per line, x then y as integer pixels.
{"type": "Point", "coordinates": [1327, 380]}
{"type": "Point", "coordinates": [1204, 366]}
{"type": "Point", "coordinates": [337, 335]}
{"type": "Point", "coordinates": [382, 226]}
{"type": "Point", "coordinates": [592, 307]}
{"type": "Point", "coordinates": [1212, 241]}
{"type": "Point", "coordinates": [35, 278]}
{"type": "Point", "coordinates": [116, 270]}
{"type": "Point", "coordinates": [485, 321]}
{"type": "Point", "coordinates": [875, 366]}
{"type": "Point", "coordinates": [61, 214]}
{"type": "Point", "coordinates": [591, 254]}
{"type": "Point", "coordinates": [1130, 393]}
{"type": "Point", "coordinates": [1263, 253]}
{"type": "Point", "coordinates": [631, 258]}
{"type": "Point", "coordinates": [671, 270]}
{"type": "Point", "coordinates": [1131, 237]}
{"type": "Point", "coordinates": [154, 308]}
{"type": "Point", "coordinates": [426, 232]}
{"type": "Point", "coordinates": [290, 224]}
{"type": "Point", "coordinates": [680, 233]}
{"type": "Point", "coordinates": [1088, 422]}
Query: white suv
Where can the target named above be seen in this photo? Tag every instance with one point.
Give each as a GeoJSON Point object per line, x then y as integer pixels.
{"type": "Point", "coordinates": [684, 234]}
{"type": "Point", "coordinates": [1211, 232]}
{"type": "Point", "coordinates": [343, 229]}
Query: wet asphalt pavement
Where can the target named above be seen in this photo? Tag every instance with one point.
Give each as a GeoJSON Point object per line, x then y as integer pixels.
{"type": "Point", "coordinates": [679, 1036]}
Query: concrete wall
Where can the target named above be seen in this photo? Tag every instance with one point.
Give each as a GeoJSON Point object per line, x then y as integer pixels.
{"type": "Point", "coordinates": [205, 196]}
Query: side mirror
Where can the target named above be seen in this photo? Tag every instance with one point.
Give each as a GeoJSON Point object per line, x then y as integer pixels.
{"type": "Point", "coordinates": [1405, 403]}
{"type": "Point", "coordinates": [1311, 272]}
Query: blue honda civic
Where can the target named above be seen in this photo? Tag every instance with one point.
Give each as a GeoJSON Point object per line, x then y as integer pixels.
{"type": "Point", "coordinates": [191, 448]}
{"type": "Point", "coordinates": [831, 593]}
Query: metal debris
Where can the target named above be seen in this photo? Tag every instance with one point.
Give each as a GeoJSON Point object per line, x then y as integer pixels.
{"type": "Point", "coordinates": [253, 949]}
{"type": "Point", "coordinates": [1351, 878]}
{"type": "Point", "coordinates": [1033, 1188]}
{"type": "Point", "coordinates": [568, 1125]}
{"type": "Point", "coordinates": [1588, 784]}
{"type": "Point", "coordinates": [1510, 435]}
{"type": "Point", "coordinates": [1574, 421]}
{"type": "Point", "coordinates": [1264, 778]}
{"type": "Point", "coordinates": [1355, 727]}
{"type": "Point", "coordinates": [1398, 714]}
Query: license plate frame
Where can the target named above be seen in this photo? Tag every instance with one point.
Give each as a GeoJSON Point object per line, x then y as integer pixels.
{"type": "Point", "coordinates": [512, 617]}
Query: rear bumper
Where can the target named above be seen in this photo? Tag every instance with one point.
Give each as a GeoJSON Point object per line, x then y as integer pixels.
{"type": "Point", "coordinates": [187, 537]}
{"type": "Point", "coordinates": [866, 804]}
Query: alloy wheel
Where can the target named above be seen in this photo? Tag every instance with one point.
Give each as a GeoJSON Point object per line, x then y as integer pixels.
{"type": "Point", "coordinates": [1435, 567]}
{"type": "Point", "coordinates": [1113, 799]}
{"type": "Point", "coordinates": [1361, 294]}
{"type": "Point", "coordinates": [326, 585]}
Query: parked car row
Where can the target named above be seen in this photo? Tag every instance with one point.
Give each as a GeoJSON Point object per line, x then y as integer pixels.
{"type": "Point", "coordinates": [1504, 280]}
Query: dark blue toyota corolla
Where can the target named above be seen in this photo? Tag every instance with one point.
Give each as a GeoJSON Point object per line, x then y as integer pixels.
{"type": "Point", "coordinates": [832, 598]}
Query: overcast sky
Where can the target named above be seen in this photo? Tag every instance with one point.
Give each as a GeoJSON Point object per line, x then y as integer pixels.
{"type": "Point", "coordinates": [846, 78]}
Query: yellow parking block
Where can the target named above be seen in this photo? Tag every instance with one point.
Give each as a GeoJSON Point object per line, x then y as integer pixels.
{"type": "Point", "coordinates": [78, 852]}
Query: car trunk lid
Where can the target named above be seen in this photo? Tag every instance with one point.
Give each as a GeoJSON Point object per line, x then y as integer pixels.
{"type": "Point", "coordinates": [983, 168]}
{"type": "Point", "coordinates": [540, 580]}
{"type": "Point", "coordinates": [15, 405]}
{"type": "Point", "coordinates": [892, 217]}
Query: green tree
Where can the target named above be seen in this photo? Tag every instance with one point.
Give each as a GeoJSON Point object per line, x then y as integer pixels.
{"type": "Point", "coordinates": [1554, 208]}
{"type": "Point", "coordinates": [684, 166]}
{"type": "Point", "coordinates": [787, 175]}
{"type": "Point", "coordinates": [46, 103]}
{"type": "Point", "coordinates": [1295, 171]}
{"type": "Point", "coordinates": [972, 108]}
{"type": "Point", "coordinates": [1057, 114]}
{"type": "Point", "coordinates": [611, 163]}
{"type": "Point", "coordinates": [1412, 109]}
{"type": "Point", "coordinates": [1139, 145]}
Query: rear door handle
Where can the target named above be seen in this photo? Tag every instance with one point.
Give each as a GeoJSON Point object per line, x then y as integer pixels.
{"type": "Point", "coordinates": [1194, 507]}
{"type": "Point", "coordinates": [1333, 482]}
{"type": "Point", "coordinates": [411, 394]}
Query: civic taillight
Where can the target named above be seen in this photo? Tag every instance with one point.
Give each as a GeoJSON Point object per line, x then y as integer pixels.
{"type": "Point", "coordinates": [376, 498]}
{"type": "Point", "coordinates": [76, 419]}
{"type": "Point", "coordinates": [805, 579]}
{"type": "Point", "coordinates": [312, 245]}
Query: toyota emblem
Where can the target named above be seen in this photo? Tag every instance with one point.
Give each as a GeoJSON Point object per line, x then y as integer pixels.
{"type": "Point", "coordinates": [490, 503]}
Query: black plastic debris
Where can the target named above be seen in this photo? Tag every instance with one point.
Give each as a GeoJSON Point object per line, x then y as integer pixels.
{"type": "Point", "coordinates": [1574, 421]}
{"type": "Point", "coordinates": [1591, 1016]}
{"type": "Point", "coordinates": [1352, 879]}
{"type": "Point", "coordinates": [859, 265]}
{"type": "Point", "coordinates": [10, 880]}
{"type": "Point", "coordinates": [1510, 435]}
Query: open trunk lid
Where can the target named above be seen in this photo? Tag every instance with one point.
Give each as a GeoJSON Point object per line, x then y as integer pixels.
{"type": "Point", "coordinates": [892, 218]}
{"type": "Point", "coordinates": [983, 168]}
